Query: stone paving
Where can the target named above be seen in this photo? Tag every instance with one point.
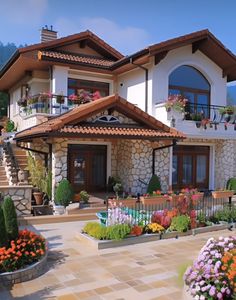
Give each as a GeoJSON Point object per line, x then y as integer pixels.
{"type": "Point", "coordinates": [77, 271]}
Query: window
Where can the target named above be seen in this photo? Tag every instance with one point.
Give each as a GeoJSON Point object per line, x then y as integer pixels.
{"type": "Point", "coordinates": [190, 83]}
{"type": "Point", "coordinates": [74, 85]}
{"type": "Point", "coordinates": [190, 167]}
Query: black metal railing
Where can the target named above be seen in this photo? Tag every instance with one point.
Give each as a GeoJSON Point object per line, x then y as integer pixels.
{"type": "Point", "coordinates": [206, 209]}
{"type": "Point", "coordinates": [213, 113]}
{"type": "Point", "coordinates": [47, 103]}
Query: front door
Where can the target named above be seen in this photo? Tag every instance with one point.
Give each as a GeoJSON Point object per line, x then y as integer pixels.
{"type": "Point", "coordinates": [190, 167]}
{"type": "Point", "coordinates": [87, 167]}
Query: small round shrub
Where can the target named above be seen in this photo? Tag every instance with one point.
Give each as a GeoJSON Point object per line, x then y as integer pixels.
{"type": "Point", "coordinates": [3, 233]}
{"type": "Point", "coordinates": [10, 217]}
{"type": "Point", "coordinates": [154, 184]}
{"type": "Point", "coordinates": [64, 193]}
{"type": "Point", "coordinates": [180, 223]}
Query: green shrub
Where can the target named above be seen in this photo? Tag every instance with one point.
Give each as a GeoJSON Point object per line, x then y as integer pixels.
{"type": "Point", "coordinates": [95, 230]}
{"type": "Point", "coordinates": [10, 126]}
{"type": "Point", "coordinates": [64, 193]}
{"type": "Point", "coordinates": [226, 214]}
{"type": "Point", "coordinates": [180, 223]}
{"type": "Point", "coordinates": [118, 232]}
{"type": "Point", "coordinates": [154, 184]}
{"type": "Point", "coordinates": [100, 232]}
{"type": "Point", "coordinates": [84, 196]}
{"type": "Point", "coordinates": [3, 233]}
{"type": "Point", "coordinates": [10, 217]}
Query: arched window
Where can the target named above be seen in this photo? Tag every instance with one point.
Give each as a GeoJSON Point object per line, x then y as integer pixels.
{"type": "Point", "coordinates": [190, 83]}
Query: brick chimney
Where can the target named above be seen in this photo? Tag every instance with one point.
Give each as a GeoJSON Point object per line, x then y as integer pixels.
{"type": "Point", "coordinates": [47, 34]}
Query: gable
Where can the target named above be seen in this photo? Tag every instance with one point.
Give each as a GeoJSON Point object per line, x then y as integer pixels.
{"type": "Point", "coordinates": [110, 117]}
{"type": "Point", "coordinates": [77, 49]}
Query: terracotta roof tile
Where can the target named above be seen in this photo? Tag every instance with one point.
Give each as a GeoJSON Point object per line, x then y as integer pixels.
{"type": "Point", "coordinates": [68, 57]}
{"type": "Point", "coordinates": [73, 118]}
{"type": "Point", "coordinates": [118, 131]}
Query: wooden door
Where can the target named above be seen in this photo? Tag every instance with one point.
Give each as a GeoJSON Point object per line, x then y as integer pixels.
{"type": "Point", "coordinates": [87, 167]}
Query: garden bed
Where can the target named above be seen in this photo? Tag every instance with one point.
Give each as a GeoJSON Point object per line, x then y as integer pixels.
{"type": "Point", "coordinates": [25, 274]}
{"type": "Point", "coordinates": [132, 240]}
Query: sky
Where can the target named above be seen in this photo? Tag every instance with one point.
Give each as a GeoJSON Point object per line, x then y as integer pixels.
{"type": "Point", "coordinates": [127, 25]}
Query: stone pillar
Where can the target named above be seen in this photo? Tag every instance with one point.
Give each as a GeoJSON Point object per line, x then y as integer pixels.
{"type": "Point", "coordinates": [59, 163]}
{"type": "Point", "coordinates": [225, 162]}
{"type": "Point", "coordinates": [162, 167]}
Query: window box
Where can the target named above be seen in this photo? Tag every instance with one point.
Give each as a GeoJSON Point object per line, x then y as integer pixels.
{"type": "Point", "coordinates": [222, 194]}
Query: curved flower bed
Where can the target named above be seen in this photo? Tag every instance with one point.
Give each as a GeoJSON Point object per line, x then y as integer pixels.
{"type": "Point", "coordinates": [28, 249]}
{"type": "Point", "coordinates": [213, 274]}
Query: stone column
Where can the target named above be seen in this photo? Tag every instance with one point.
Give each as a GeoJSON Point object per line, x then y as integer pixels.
{"type": "Point", "coordinates": [59, 163]}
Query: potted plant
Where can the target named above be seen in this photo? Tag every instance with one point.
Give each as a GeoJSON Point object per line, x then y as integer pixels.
{"type": "Point", "coordinates": [176, 103]}
{"type": "Point", "coordinates": [39, 178]}
{"type": "Point", "coordinates": [84, 197]}
{"type": "Point", "coordinates": [63, 196]}
{"type": "Point", "coordinates": [60, 98]}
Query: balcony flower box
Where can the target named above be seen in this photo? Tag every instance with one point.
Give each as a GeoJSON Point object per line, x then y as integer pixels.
{"type": "Point", "coordinates": [154, 200]}
{"type": "Point", "coordinates": [129, 202]}
{"type": "Point", "coordinates": [222, 194]}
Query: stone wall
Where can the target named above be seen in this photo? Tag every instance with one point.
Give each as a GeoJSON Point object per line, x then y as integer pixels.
{"type": "Point", "coordinates": [162, 167]}
{"type": "Point", "coordinates": [225, 162]}
{"type": "Point", "coordinates": [134, 162]}
{"type": "Point", "coordinates": [59, 162]}
{"type": "Point", "coordinates": [21, 195]}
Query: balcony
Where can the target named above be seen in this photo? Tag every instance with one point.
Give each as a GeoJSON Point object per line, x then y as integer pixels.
{"type": "Point", "coordinates": [49, 104]}
{"type": "Point", "coordinates": [205, 121]}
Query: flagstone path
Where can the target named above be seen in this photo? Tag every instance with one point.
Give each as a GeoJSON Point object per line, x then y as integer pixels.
{"type": "Point", "coordinates": [78, 271]}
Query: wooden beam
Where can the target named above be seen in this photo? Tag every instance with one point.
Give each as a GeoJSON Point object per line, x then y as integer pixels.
{"type": "Point", "coordinates": [197, 45]}
{"type": "Point", "coordinates": [160, 56]}
{"type": "Point", "coordinates": [226, 71]}
{"type": "Point", "coordinates": [83, 43]}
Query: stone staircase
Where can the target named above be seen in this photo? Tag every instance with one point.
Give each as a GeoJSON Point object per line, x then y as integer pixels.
{"type": "Point", "coordinates": [14, 159]}
{"type": "Point", "coordinates": [3, 177]}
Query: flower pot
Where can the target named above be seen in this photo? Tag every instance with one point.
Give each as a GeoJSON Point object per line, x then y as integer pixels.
{"type": "Point", "coordinates": [123, 202]}
{"type": "Point", "coordinates": [198, 196]}
{"type": "Point", "coordinates": [58, 210]}
{"type": "Point", "coordinates": [38, 196]}
{"type": "Point", "coordinates": [222, 194]}
{"type": "Point", "coordinates": [158, 200]}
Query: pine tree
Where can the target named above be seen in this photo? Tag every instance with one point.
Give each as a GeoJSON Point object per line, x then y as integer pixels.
{"type": "Point", "coordinates": [3, 233]}
{"type": "Point", "coordinates": [10, 216]}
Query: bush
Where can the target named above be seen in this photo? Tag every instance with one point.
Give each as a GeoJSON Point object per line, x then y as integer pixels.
{"type": "Point", "coordinates": [10, 217]}
{"type": "Point", "coordinates": [84, 196]}
{"type": "Point", "coordinates": [10, 126]}
{"type": "Point", "coordinates": [118, 232]}
{"type": "Point", "coordinates": [115, 232]}
{"type": "Point", "coordinates": [64, 193]}
{"type": "Point", "coordinates": [180, 223]}
{"type": "Point", "coordinates": [27, 249]}
{"type": "Point", "coordinates": [225, 214]}
{"type": "Point", "coordinates": [3, 233]}
{"type": "Point", "coordinates": [154, 184]}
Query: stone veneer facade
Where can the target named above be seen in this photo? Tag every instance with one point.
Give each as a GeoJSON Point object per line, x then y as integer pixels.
{"type": "Point", "coordinates": [21, 196]}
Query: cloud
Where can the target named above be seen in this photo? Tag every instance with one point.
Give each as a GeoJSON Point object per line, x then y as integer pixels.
{"type": "Point", "coordinates": [126, 39]}
{"type": "Point", "coordinates": [23, 12]}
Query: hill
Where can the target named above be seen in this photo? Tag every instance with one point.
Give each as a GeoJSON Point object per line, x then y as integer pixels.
{"type": "Point", "coordinates": [231, 95]}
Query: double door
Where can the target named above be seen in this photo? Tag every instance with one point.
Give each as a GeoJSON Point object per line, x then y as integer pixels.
{"type": "Point", "coordinates": [190, 167]}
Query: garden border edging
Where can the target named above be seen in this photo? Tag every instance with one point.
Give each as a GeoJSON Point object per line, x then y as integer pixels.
{"type": "Point", "coordinates": [28, 273]}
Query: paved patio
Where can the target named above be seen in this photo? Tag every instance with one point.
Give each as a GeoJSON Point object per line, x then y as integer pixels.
{"type": "Point", "coordinates": [76, 271]}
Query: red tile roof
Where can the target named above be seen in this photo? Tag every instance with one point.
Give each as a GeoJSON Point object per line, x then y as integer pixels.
{"type": "Point", "coordinates": [73, 119]}
{"type": "Point", "coordinates": [119, 131]}
{"type": "Point", "coordinates": [67, 57]}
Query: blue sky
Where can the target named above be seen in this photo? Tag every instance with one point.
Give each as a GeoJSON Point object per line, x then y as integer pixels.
{"type": "Point", "coordinates": [127, 25]}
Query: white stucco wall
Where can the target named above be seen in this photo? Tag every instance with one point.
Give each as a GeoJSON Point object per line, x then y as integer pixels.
{"type": "Point", "coordinates": [131, 86]}
{"type": "Point", "coordinates": [184, 56]}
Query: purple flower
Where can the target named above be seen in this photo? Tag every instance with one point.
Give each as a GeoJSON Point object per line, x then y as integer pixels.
{"type": "Point", "coordinates": [212, 291]}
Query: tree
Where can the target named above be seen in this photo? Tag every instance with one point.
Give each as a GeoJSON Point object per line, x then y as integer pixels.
{"type": "Point", "coordinates": [10, 217]}
{"type": "Point", "coordinates": [154, 184]}
{"type": "Point", "coordinates": [3, 233]}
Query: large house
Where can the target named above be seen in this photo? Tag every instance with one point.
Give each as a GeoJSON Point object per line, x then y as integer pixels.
{"type": "Point", "coordinates": [126, 130]}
